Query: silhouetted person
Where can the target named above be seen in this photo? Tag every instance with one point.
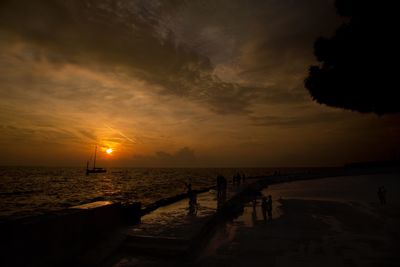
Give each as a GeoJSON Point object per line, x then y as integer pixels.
{"type": "Point", "coordinates": [224, 186]}
{"type": "Point", "coordinates": [235, 179]}
{"type": "Point", "coordinates": [221, 200]}
{"type": "Point", "coordinates": [222, 194]}
{"type": "Point", "coordinates": [219, 185]}
{"type": "Point", "coordinates": [193, 203]}
{"type": "Point", "coordinates": [243, 178]}
{"type": "Point", "coordinates": [238, 178]}
{"type": "Point", "coordinates": [254, 200]}
{"type": "Point", "coordinates": [269, 207]}
{"type": "Point", "coordinates": [382, 195]}
{"type": "Point", "coordinates": [189, 190]}
{"type": "Point", "coordinates": [190, 194]}
{"type": "Point", "coordinates": [264, 208]}
{"type": "Point", "coordinates": [254, 215]}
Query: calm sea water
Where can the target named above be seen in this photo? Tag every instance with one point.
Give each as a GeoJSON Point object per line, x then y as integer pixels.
{"type": "Point", "coordinates": [33, 190]}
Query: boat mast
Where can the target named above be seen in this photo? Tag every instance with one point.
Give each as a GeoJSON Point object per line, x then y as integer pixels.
{"type": "Point", "coordinates": [94, 161]}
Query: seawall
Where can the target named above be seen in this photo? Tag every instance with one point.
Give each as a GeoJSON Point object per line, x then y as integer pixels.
{"type": "Point", "coordinates": [58, 238]}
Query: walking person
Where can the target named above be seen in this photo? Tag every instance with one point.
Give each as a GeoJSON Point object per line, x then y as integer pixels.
{"type": "Point", "coordinates": [224, 186]}
{"type": "Point", "coordinates": [269, 207]}
{"type": "Point", "coordinates": [382, 195]}
{"type": "Point", "coordinates": [221, 188]}
{"type": "Point", "coordinates": [219, 185]}
{"type": "Point", "coordinates": [193, 204]}
{"type": "Point", "coordinates": [189, 190]}
{"type": "Point", "coordinates": [238, 178]}
{"type": "Point", "coordinates": [190, 195]}
{"type": "Point", "coordinates": [264, 207]}
{"type": "Point", "coordinates": [254, 200]}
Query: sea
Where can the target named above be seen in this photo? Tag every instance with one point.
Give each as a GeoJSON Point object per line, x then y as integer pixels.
{"type": "Point", "coordinates": [27, 191]}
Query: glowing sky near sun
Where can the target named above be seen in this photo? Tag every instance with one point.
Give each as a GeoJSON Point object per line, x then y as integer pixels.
{"type": "Point", "coordinates": [173, 83]}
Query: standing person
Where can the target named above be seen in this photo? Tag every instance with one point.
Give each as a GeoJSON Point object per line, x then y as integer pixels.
{"type": "Point", "coordinates": [254, 200]}
{"type": "Point", "coordinates": [254, 216]}
{"type": "Point", "coordinates": [224, 185]}
{"type": "Point", "coordinates": [382, 195]}
{"type": "Point", "coordinates": [189, 191]}
{"type": "Point", "coordinates": [379, 193]}
{"type": "Point", "coordinates": [219, 185]}
{"type": "Point", "coordinates": [264, 207]}
{"type": "Point", "coordinates": [189, 187]}
{"type": "Point", "coordinates": [243, 178]}
{"type": "Point", "coordinates": [193, 204]}
{"type": "Point", "coordinates": [269, 207]}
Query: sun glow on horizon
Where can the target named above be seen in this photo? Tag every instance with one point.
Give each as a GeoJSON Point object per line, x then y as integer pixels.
{"type": "Point", "coordinates": [109, 150]}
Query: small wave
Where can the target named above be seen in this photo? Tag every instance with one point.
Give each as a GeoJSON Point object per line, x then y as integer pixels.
{"type": "Point", "coordinates": [26, 189]}
{"type": "Point", "coordinates": [18, 193]}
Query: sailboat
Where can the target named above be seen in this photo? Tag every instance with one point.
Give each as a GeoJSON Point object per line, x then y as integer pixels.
{"type": "Point", "coordinates": [94, 170]}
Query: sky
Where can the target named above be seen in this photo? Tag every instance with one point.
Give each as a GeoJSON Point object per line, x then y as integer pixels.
{"type": "Point", "coordinates": [179, 83]}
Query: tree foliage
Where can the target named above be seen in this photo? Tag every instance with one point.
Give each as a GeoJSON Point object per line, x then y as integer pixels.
{"type": "Point", "coordinates": [357, 69]}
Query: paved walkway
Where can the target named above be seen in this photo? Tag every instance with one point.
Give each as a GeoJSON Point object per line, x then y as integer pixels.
{"type": "Point", "coordinates": [334, 221]}
{"type": "Point", "coordinates": [174, 220]}
{"type": "Point", "coordinates": [167, 232]}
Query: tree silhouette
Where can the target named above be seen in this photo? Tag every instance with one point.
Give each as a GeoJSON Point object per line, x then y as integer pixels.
{"type": "Point", "coordinates": [356, 69]}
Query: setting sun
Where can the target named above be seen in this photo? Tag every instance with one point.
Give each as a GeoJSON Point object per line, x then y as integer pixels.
{"type": "Point", "coordinates": [109, 150]}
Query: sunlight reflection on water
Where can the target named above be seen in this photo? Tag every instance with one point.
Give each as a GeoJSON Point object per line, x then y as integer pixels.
{"type": "Point", "coordinates": [36, 190]}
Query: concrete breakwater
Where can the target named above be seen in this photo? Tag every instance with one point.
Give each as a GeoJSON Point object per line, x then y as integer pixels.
{"type": "Point", "coordinates": [170, 200]}
{"type": "Point", "coordinates": [58, 238]}
{"type": "Point", "coordinates": [61, 238]}
{"type": "Point", "coordinates": [171, 233]}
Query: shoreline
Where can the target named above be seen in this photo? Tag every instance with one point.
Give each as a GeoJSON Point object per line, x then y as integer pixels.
{"type": "Point", "coordinates": [285, 176]}
{"type": "Point", "coordinates": [335, 231]}
{"type": "Point", "coordinates": [291, 177]}
{"type": "Point", "coordinates": [270, 179]}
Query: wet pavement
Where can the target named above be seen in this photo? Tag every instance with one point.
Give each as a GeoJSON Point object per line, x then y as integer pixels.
{"type": "Point", "coordinates": [333, 222]}
{"type": "Point", "coordinates": [164, 235]}
{"type": "Point", "coordinates": [165, 221]}
{"type": "Point", "coordinates": [168, 231]}
{"type": "Point", "coordinates": [175, 221]}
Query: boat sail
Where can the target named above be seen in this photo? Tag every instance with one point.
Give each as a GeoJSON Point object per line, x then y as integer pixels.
{"type": "Point", "coordinates": [94, 169]}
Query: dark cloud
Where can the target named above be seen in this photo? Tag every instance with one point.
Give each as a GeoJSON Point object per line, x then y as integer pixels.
{"type": "Point", "coordinates": [282, 35]}
{"type": "Point", "coordinates": [143, 75]}
{"type": "Point", "coordinates": [175, 44]}
{"type": "Point", "coordinates": [35, 136]}
{"type": "Point", "coordinates": [184, 157]}
{"type": "Point", "coordinates": [113, 34]}
{"type": "Point", "coordinates": [297, 121]}
{"type": "Point", "coordinates": [107, 32]}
